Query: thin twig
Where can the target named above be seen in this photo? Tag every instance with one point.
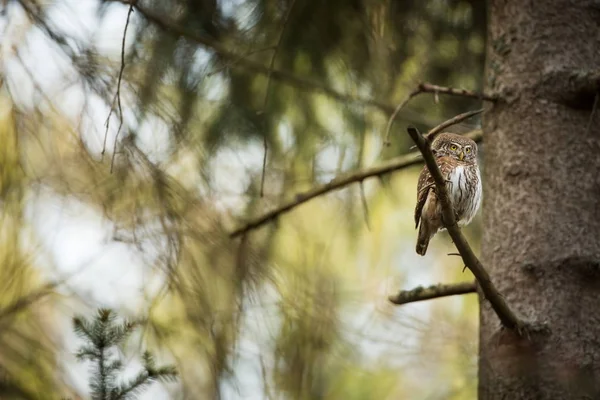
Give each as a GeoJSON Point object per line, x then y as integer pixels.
{"type": "Point", "coordinates": [507, 317]}
{"type": "Point", "coordinates": [264, 165]}
{"type": "Point", "coordinates": [34, 13]}
{"type": "Point", "coordinates": [365, 205]}
{"type": "Point", "coordinates": [452, 121]}
{"type": "Point", "coordinates": [399, 107]}
{"type": "Point", "coordinates": [432, 292]}
{"type": "Point", "coordinates": [267, 92]}
{"type": "Point", "coordinates": [425, 87]}
{"type": "Point", "coordinates": [429, 88]}
{"type": "Point", "coordinates": [107, 126]}
{"type": "Point", "coordinates": [337, 183]}
{"type": "Point", "coordinates": [118, 94]}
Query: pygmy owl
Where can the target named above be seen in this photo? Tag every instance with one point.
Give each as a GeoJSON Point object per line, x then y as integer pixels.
{"type": "Point", "coordinates": [456, 157]}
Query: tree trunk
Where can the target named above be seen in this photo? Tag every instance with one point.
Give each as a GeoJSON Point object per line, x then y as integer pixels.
{"type": "Point", "coordinates": [542, 199]}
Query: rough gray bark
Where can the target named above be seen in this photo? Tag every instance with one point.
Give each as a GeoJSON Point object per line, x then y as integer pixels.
{"type": "Point", "coordinates": [542, 199]}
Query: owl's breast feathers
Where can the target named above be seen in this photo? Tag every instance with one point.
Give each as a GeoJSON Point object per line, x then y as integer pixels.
{"type": "Point", "coordinates": [464, 188]}
{"type": "Point", "coordinates": [463, 183]}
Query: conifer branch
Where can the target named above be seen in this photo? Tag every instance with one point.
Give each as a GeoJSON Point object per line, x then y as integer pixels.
{"type": "Point", "coordinates": [289, 78]}
{"type": "Point", "coordinates": [421, 293]}
{"type": "Point", "coordinates": [100, 335]}
{"type": "Point", "coordinates": [337, 183]}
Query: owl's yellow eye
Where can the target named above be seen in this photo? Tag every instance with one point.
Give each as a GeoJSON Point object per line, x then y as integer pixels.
{"type": "Point", "coordinates": [468, 150]}
{"type": "Point", "coordinates": [453, 147]}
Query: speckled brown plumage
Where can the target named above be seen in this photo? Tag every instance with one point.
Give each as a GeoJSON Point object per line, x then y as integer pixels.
{"type": "Point", "coordinates": [457, 159]}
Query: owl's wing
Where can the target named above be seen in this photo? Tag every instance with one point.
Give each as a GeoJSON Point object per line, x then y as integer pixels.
{"type": "Point", "coordinates": [426, 184]}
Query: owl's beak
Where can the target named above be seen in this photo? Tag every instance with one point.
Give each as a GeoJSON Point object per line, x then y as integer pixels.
{"type": "Point", "coordinates": [461, 156]}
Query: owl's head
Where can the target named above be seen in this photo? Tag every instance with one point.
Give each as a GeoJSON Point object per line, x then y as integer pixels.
{"type": "Point", "coordinates": [456, 146]}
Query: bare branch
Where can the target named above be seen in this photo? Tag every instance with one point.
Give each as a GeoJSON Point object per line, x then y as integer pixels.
{"type": "Point", "coordinates": [340, 182]}
{"type": "Point", "coordinates": [118, 93]}
{"type": "Point", "coordinates": [425, 87]}
{"type": "Point", "coordinates": [399, 107]}
{"type": "Point", "coordinates": [507, 317]}
{"type": "Point", "coordinates": [452, 121]}
{"type": "Point", "coordinates": [432, 292]}
{"type": "Point", "coordinates": [264, 165]}
{"type": "Point", "coordinates": [429, 88]}
{"type": "Point", "coordinates": [267, 92]}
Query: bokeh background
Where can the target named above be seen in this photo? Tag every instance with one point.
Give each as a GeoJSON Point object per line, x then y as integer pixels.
{"type": "Point", "coordinates": [127, 201]}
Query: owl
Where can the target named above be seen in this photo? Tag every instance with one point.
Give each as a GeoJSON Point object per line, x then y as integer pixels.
{"type": "Point", "coordinates": [456, 156]}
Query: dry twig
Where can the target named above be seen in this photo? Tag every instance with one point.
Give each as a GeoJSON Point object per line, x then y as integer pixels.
{"type": "Point", "coordinates": [435, 89]}
{"type": "Point", "coordinates": [452, 121]}
{"type": "Point", "coordinates": [118, 93]}
{"type": "Point", "coordinates": [432, 292]}
{"type": "Point", "coordinates": [337, 183]}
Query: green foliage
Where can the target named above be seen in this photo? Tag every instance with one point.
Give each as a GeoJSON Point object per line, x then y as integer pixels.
{"type": "Point", "coordinates": [103, 334]}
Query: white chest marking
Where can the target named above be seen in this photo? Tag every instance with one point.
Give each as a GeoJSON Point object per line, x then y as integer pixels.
{"type": "Point", "coordinates": [458, 181]}
{"type": "Point", "coordinates": [465, 202]}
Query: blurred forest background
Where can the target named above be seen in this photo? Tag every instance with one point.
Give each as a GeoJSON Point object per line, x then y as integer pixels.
{"type": "Point", "coordinates": [127, 201]}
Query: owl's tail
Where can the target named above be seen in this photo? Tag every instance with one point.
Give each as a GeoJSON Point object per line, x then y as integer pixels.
{"type": "Point", "coordinates": [423, 240]}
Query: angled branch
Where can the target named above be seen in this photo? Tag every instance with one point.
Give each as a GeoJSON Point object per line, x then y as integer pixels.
{"type": "Point", "coordinates": [425, 87]}
{"type": "Point", "coordinates": [507, 317]}
{"type": "Point", "coordinates": [429, 88]}
{"type": "Point", "coordinates": [421, 293]}
{"type": "Point", "coordinates": [337, 183]}
{"type": "Point", "coordinates": [452, 121]}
